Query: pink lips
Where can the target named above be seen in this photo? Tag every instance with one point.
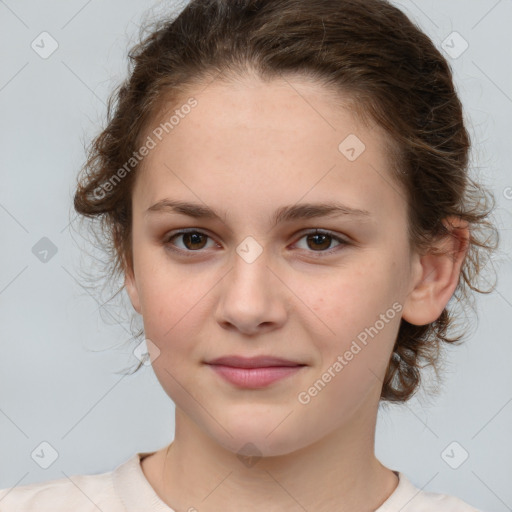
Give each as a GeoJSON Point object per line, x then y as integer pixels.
{"type": "Point", "coordinates": [254, 372]}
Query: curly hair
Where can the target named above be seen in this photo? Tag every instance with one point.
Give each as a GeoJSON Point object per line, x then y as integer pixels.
{"type": "Point", "coordinates": [366, 49]}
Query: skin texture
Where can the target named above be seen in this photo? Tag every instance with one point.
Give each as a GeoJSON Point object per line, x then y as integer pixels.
{"type": "Point", "coordinates": [245, 150]}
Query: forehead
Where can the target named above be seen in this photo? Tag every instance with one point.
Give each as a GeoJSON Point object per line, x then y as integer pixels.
{"type": "Point", "coordinates": [254, 141]}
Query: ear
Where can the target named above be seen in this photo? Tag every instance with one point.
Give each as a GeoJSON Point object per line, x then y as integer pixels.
{"type": "Point", "coordinates": [131, 288]}
{"type": "Point", "coordinates": [437, 274]}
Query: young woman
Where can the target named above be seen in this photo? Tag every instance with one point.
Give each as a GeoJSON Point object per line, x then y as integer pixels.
{"type": "Point", "coordinates": [284, 185]}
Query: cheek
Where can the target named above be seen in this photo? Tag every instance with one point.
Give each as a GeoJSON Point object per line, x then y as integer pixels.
{"type": "Point", "coordinates": [168, 290]}
{"type": "Point", "coordinates": [171, 299]}
{"type": "Point", "coordinates": [356, 316]}
{"type": "Point", "coordinates": [351, 298]}
{"type": "Point", "coordinates": [174, 318]}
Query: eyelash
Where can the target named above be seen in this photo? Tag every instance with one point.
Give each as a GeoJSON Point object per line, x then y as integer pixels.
{"type": "Point", "coordinates": [317, 254]}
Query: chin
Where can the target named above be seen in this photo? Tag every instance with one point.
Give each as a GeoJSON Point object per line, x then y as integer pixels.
{"type": "Point", "coordinates": [252, 438]}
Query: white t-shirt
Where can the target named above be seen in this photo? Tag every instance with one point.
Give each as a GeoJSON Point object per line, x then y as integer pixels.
{"type": "Point", "coordinates": [126, 489]}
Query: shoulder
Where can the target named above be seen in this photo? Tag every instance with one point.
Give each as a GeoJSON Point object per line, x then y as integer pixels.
{"type": "Point", "coordinates": [429, 501]}
{"type": "Point", "coordinates": [409, 498]}
{"type": "Point", "coordinates": [80, 493]}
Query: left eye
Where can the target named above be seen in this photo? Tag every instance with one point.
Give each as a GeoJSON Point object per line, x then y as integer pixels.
{"type": "Point", "coordinates": [321, 240]}
{"type": "Point", "coordinates": [194, 241]}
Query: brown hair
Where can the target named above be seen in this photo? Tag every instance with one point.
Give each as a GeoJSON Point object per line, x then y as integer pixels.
{"type": "Point", "coordinates": [369, 49]}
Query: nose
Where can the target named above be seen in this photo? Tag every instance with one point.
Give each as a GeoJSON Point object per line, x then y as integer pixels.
{"type": "Point", "coordinates": [253, 298]}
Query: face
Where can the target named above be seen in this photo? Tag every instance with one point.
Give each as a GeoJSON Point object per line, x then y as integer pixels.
{"type": "Point", "coordinates": [242, 284]}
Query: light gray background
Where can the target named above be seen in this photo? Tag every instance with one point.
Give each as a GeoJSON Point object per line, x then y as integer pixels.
{"type": "Point", "coordinates": [58, 356]}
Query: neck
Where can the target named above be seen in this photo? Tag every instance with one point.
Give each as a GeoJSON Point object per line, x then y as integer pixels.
{"type": "Point", "coordinates": [338, 472]}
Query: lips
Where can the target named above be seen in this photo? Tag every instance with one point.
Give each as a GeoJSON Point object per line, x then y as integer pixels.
{"type": "Point", "coordinates": [254, 372]}
{"type": "Point", "coordinates": [253, 362]}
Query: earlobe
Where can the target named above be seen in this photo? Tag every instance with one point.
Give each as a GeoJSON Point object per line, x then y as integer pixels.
{"type": "Point", "coordinates": [131, 289]}
{"type": "Point", "coordinates": [438, 272]}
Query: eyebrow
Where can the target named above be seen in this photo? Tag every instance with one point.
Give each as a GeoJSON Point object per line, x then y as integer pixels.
{"type": "Point", "coordinates": [282, 214]}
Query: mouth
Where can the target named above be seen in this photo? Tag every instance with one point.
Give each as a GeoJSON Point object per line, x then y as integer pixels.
{"type": "Point", "coordinates": [254, 372]}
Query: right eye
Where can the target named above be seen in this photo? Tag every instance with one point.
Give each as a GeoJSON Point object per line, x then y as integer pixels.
{"type": "Point", "coordinates": [192, 240]}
